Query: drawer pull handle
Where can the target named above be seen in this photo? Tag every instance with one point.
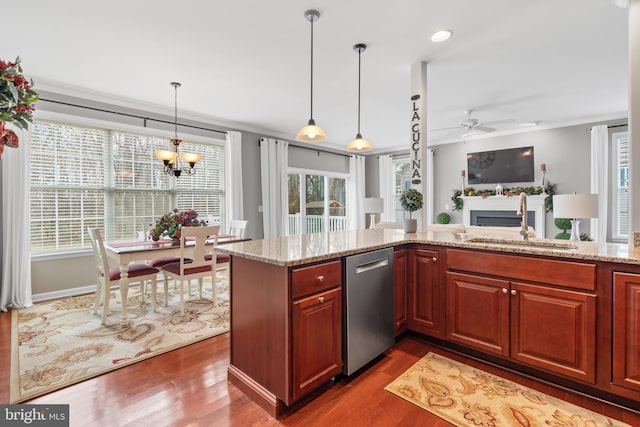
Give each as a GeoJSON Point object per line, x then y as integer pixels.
{"type": "Point", "coordinates": [513, 292]}
{"type": "Point", "coordinates": [434, 259]}
{"type": "Point", "coordinates": [504, 290]}
{"type": "Point", "coordinates": [320, 279]}
{"type": "Point", "coordinates": [321, 299]}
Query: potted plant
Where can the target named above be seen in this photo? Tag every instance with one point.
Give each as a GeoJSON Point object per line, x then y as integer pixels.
{"type": "Point", "coordinates": [411, 200]}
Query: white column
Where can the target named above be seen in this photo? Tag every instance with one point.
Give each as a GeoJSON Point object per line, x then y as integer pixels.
{"type": "Point", "coordinates": [418, 140]}
{"type": "Point", "coordinates": [634, 118]}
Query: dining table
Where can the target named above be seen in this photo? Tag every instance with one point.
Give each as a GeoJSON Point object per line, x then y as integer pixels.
{"type": "Point", "coordinates": [124, 252]}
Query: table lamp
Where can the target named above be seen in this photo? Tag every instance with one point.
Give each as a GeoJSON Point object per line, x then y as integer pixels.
{"type": "Point", "coordinates": [574, 206]}
{"type": "Point", "coordinates": [373, 206]}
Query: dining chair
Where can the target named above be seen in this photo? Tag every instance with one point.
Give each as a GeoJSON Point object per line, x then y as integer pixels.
{"type": "Point", "coordinates": [107, 277]}
{"type": "Point", "coordinates": [237, 228]}
{"type": "Point", "coordinates": [195, 244]}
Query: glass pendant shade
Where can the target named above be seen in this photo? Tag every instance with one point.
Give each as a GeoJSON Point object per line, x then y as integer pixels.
{"type": "Point", "coordinates": [359, 145]}
{"type": "Point", "coordinates": [311, 133]}
{"type": "Point", "coordinates": [166, 155]}
{"type": "Point", "coordinates": [191, 157]}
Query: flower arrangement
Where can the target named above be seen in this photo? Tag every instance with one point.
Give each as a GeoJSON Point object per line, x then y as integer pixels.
{"type": "Point", "coordinates": [16, 95]}
{"type": "Point", "coordinates": [411, 200]}
{"type": "Point", "coordinates": [169, 225]}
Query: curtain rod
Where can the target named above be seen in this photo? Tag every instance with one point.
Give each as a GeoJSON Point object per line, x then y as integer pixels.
{"type": "Point", "coordinates": [130, 115]}
{"type": "Point", "coordinates": [611, 126]}
{"type": "Point", "coordinates": [315, 149]}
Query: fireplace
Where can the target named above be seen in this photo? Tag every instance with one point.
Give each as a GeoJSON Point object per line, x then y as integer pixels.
{"type": "Point", "coordinates": [491, 218]}
{"type": "Point", "coordinates": [501, 211]}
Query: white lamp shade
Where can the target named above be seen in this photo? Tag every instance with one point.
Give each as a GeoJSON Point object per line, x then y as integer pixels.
{"type": "Point", "coordinates": [575, 206]}
{"type": "Point", "coordinates": [311, 133]}
{"type": "Point", "coordinates": [359, 145]}
{"type": "Point", "coordinates": [373, 205]}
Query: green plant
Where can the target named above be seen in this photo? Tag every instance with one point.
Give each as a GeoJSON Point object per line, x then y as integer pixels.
{"type": "Point", "coordinates": [563, 236]}
{"type": "Point", "coordinates": [549, 189]}
{"type": "Point", "coordinates": [563, 224]}
{"type": "Point", "coordinates": [443, 218]}
{"type": "Point", "coordinates": [411, 200]}
{"type": "Point", "coordinates": [16, 95]}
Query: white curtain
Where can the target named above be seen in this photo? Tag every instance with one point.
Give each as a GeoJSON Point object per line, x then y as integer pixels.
{"type": "Point", "coordinates": [387, 191]}
{"type": "Point", "coordinates": [355, 214]}
{"type": "Point", "coordinates": [233, 177]}
{"type": "Point", "coordinates": [16, 256]}
{"type": "Point", "coordinates": [273, 164]}
{"type": "Point", "coordinates": [429, 197]}
{"type": "Point", "coordinates": [599, 180]}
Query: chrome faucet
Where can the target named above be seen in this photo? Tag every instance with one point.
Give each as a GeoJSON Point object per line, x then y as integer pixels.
{"type": "Point", "coordinates": [522, 210]}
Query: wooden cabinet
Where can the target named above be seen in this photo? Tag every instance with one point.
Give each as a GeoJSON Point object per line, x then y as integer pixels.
{"type": "Point", "coordinates": [547, 327]}
{"type": "Point", "coordinates": [286, 324]}
{"type": "Point", "coordinates": [425, 309]}
{"type": "Point", "coordinates": [400, 266]}
{"type": "Point", "coordinates": [626, 330]}
{"type": "Point", "coordinates": [316, 340]}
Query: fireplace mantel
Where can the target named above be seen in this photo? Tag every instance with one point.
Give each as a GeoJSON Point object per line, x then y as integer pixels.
{"type": "Point", "coordinates": [504, 203]}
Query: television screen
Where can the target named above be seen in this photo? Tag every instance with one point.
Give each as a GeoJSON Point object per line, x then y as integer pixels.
{"type": "Point", "coordinates": [501, 166]}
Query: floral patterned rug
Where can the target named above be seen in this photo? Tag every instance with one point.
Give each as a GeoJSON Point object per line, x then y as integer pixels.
{"type": "Point", "coordinates": [58, 343]}
{"type": "Point", "coordinates": [466, 396]}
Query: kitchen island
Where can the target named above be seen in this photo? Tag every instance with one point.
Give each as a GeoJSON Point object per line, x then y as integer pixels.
{"type": "Point", "coordinates": [563, 312]}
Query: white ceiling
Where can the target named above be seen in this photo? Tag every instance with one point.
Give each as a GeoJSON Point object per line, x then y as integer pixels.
{"type": "Point", "coordinates": [246, 63]}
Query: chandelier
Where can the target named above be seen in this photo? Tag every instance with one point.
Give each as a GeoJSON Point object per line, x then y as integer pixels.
{"type": "Point", "coordinates": [174, 162]}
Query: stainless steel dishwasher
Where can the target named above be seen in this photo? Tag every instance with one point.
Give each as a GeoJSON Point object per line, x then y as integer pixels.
{"type": "Point", "coordinates": [368, 318]}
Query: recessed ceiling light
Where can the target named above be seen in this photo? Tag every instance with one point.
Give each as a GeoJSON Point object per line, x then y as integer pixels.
{"type": "Point", "coordinates": [532, 123]}
{"type": "Point", "coordinates": [440, 36]}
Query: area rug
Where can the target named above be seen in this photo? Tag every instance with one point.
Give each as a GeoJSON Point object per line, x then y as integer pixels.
{"type": "Point", "coordinates": [466, 396]}
{"type": "Point", "coordinates": [58, 343]}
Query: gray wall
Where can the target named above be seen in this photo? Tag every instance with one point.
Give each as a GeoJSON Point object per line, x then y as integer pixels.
{"type": "Point", "coordinates": [565, 151]}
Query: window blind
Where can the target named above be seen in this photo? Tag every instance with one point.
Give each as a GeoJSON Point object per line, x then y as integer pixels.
{"type": "Point", "coordinates": [89, 177]}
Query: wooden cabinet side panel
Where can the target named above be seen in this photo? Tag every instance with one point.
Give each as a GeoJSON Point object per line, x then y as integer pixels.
{"type": "Point", "coordinates": [260, 304]}
{"type": "Point", "coordinates": [400, 265]}
{"type": "Point", "coordinates": [478, 312]}
{"type": "Point", "coordinates": [554, 329]}
{"type": "Point", "coordinates": [316, 340]}
{"type": "Point", "coordinates": [626, 330]}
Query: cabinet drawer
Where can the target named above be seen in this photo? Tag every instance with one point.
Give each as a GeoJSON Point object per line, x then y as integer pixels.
{"type": "Point", "coordinates": [571, 274]}
{"type": "Point", "coordinates": [315, 278]}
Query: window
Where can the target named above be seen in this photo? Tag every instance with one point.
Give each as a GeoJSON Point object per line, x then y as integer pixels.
{"type": "Point", "coordinates": [620, 214]}
{"type": "Point", "coordinates": [324, 198]}
{"type": "Point", "coordinates": [402, 181]}
{"type": "Point", "coordinates": [92, 177]}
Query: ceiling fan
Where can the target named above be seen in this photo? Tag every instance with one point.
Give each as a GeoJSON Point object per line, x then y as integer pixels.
{"type": "Point", "coordinates": [471, 125]}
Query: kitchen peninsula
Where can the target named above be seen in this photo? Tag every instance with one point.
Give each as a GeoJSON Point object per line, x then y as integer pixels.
{"type": "Point", "coordinates": [564, 312]}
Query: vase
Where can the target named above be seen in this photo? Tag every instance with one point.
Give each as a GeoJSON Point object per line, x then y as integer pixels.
{"type": "Point", "coordinates": [410, 225]}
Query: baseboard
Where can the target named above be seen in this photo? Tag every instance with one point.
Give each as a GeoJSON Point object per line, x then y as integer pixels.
{"type": "Point", "coordinates": [64, 293]}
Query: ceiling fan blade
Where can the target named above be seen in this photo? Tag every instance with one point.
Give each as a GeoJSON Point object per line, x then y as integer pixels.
{"type": "Point", "coordinates": [436, 130]}
{"type": "Point", "coordinates": [483, 128]}
{"type": "Point", "coordinates": [497, 122]}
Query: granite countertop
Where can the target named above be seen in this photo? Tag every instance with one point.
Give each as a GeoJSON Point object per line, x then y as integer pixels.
{"type": "Point", "coordinates": [308, 248]}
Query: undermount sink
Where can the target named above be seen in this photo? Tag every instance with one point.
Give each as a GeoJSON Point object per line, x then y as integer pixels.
{"type": "Point", "coordinates": [547, 244]}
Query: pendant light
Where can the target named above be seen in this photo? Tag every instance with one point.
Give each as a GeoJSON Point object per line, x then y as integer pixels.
{"type": "Point", "coordinates": [359, 144]}
{"type": "Point", "coordinates": [172, 160]}
{"type": "Point", "coordinates": [311, 132]}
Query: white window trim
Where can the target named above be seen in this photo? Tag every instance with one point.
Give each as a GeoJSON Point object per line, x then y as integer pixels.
{"type": "Point", "coordinates": [615, 138]}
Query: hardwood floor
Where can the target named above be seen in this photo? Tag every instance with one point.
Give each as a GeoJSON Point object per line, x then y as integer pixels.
{"type": "Point", "coordinates": [188, 387]}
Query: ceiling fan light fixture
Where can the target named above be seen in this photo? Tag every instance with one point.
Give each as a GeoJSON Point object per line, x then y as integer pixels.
{"type": "Point", "coordinates": [359, 144]}
{"type": "Point", "coordinates": [440, 36]}
{"type": "Point", "coordinates": [311, 132]}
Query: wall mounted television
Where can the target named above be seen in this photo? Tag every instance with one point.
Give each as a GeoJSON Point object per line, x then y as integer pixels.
{"type": "Point", "coordinates": [501, 166]}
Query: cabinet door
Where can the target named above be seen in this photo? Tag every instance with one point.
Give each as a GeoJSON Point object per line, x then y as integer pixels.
{"type": "Point", "coordinates": [400, 261]}
{"type": "Point", "coordinates": [316, 340]}
{"type": "Point", "coordinates": [626, 330]}
{"type": "Point", "coordinates": [425, 309]}
{"type": "Point", "coordinates": [554, 329]}
{"type": "Point", "coordinates": [478, 312]}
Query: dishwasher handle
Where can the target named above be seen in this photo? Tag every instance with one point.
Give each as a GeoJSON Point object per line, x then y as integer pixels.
{"type": "Point", "coordinates": [362, 268]}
